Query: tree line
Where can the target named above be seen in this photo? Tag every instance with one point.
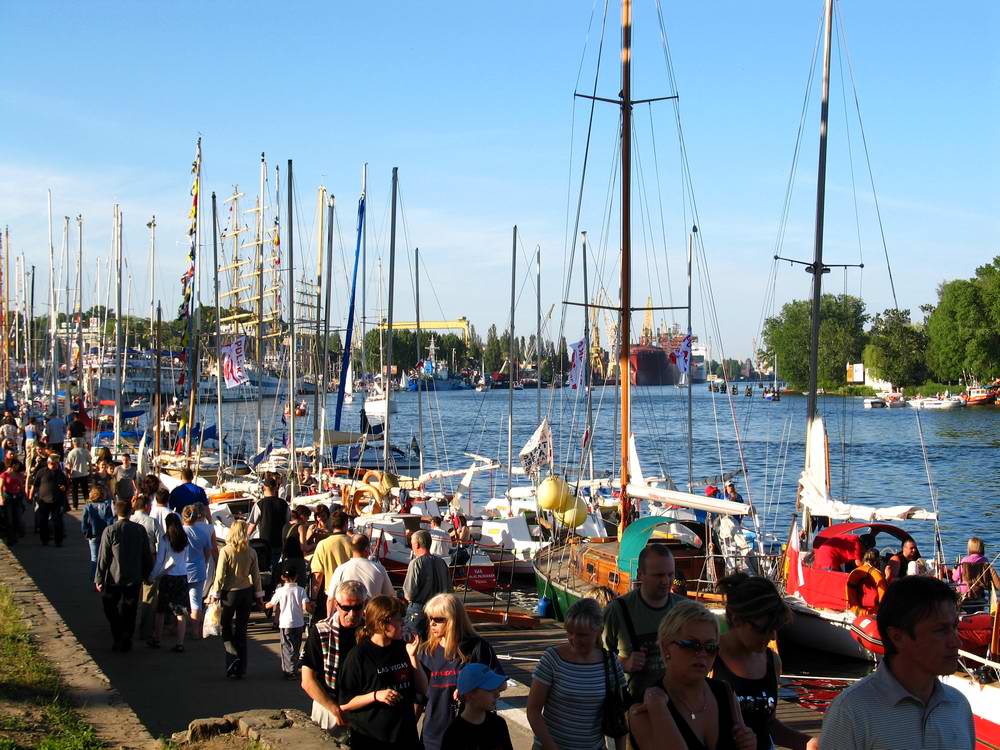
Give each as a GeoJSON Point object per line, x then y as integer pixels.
{"type": "Point", "coordinates": [957, 341]}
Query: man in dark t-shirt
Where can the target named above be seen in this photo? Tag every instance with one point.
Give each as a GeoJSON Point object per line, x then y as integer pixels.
{"type": "Point", "coordinates": [48, 490]}
{"type": "Point", "coordinates": [327, 646]}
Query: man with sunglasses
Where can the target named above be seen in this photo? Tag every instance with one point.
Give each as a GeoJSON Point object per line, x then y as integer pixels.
{"type": "Point", "coordinates": [329, 642]}
{"type": "Point", "coordinates": [631, 621]}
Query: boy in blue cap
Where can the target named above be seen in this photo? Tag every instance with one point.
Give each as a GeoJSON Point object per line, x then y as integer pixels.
{"type": "Point", "coordinates": [477, 727]}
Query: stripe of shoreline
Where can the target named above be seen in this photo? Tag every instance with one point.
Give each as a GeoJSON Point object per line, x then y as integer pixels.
{"type": "Point", "coordinates": [85, 686]}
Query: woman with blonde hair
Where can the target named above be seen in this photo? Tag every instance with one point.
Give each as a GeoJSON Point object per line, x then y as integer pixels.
{"type": "Point", "coordinates": [451, 643]}
{"type": "Point", "coordinates": [236, 583]}
{"type": "Point", "coordinates": [380, 680]}
{"type": "Point", "coordinates": [689, 710]}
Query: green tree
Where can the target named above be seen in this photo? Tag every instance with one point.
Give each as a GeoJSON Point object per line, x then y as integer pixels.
{"type": "Point", "coordinates": [493, 353]}
{"type": "Point", "coordinates": [963, 330]}
{"type": "Point", "coordinates": [841, 339]}
{"type": "Point", "coordinates": [896, 349]}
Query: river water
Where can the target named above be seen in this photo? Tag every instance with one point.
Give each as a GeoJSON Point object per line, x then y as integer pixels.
{"type": "Point", "coordinates": [875, 454]}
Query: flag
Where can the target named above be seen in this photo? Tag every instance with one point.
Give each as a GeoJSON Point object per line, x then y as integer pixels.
{"type": "Point", "coordinates": [234, 363]}
{"type": "Point", "coordinates": [538, 450]}
{"type": "Point", "coordinates": [187, 278]}
{"type": "Point", "coordinates": [256, 460]}
{"type": "Point", "coordinates": [682, 356]}
{"type": "Point", "coordinates": [794, 539]}
{"type": "Point", "coordinates": [578, 358]}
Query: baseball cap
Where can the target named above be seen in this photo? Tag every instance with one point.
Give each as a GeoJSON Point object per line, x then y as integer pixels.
{"type": "Point", "coordinates": [474, 676]}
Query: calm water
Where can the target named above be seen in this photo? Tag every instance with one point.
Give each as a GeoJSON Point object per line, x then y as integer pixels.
{"type": "Point", "coordinates": [875, 454]}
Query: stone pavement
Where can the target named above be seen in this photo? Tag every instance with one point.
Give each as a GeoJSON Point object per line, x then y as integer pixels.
{"type": "Point", "coordinates": [161, 691]}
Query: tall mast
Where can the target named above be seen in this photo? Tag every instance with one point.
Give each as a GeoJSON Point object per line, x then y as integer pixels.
{"type": "Point", "coordinates": [53, 360]}
{"type": "Point", "coordinates": [218, 334]}
{"type": "Point", "coordinates": [192, 300]}
{"type": "Point", "coordinates": [586, 368]}
{"type": "Point", "coordinates": [157, 411]}
{"type": "Point", "coordinates": [510, 368]}
{"type": "Point", "coordinates": [79, 307]}
{"type": "Point", "coordinates": [325, 368]}
{"type": "Point", "coordinates": [66, 349]}
{"type": "Point", "coordinates": [817, 269]}
{"type": "Point", "coordinates": [119, 328]}
{"type": "Point", "coordinates": [364, 265]}
{"type": "Point", "coordinates": [320, 220]}
{"type": "Point", "coordinates": [31, 333]}
{"type": "Point", "coordinates": [6, 309]}
{"type": "Point", "coordinates": [152, 274]}
{"type": "Point", "coordinates": [420, 379]}
{"type": "Point", "coordinates": [259, 349]}
{"type": "Point", "coordinates": [387, 380]}
{"type": "Point", "coordinates": [292, 382]}
{"type": "Point", "coordinates": [538, 333]}
{"type": "Point", "coordinates": [690, 403]}
{"type": "Point", "coordinates": [624, 374]}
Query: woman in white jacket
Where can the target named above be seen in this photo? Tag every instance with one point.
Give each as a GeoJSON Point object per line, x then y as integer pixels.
{"type": "Point", "coordinates": [171, 570]}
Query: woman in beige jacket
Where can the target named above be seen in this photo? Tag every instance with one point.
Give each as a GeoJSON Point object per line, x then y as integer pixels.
{"type": "Point", "coordinates": [236, 584]}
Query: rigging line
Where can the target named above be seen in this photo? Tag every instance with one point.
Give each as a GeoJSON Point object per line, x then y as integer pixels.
{"type": "Point", "coordinates": [568, 274]}
{"type": "Point", "coordinates": [850, 154]}
{"type": "Point", "coordinates": [572, 130]}
{"type": "Point", "coordinates": [663, 226]}
{"type": "Point", "coordinates": [864, 141]}
{"type": "Point", "coordinates": [939, 545]}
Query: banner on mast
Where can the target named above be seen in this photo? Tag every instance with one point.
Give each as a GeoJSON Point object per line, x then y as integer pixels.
{"type": "Point", "coordinates": [234, 359]}
{"type": "Point", "coordinates": [578, 363]}
{"type": "Point", "coordinates": [537, 452]}
{"type": "Point", "coordinates": [682, 356]}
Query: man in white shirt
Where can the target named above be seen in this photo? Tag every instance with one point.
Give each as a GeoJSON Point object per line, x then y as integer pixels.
{"type": "Point", "coordinates": [903, 703]}
{"type": "Point", "coordinates": [77, 465]}
{"type": "Point", "coordinates": [141, 505]}
{"type": "Point", "coordinates": [440, 541]}
{"type": "Point", "coordinates": [369, 573]}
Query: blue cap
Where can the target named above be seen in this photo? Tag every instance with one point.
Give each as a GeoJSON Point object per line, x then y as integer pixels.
{"type": "Point", "coordinates": [477, 675]}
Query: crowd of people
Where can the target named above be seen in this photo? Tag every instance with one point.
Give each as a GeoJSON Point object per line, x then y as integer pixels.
{"type": "Point", "coordinates": [407, 668]}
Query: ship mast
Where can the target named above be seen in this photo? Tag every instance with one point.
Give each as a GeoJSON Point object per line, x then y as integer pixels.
{"type": "Point", "coordinates": [624, 372]}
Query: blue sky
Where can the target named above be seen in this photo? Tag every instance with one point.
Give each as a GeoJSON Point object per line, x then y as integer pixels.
{"type": "Point", "coordinates": [473, 101]}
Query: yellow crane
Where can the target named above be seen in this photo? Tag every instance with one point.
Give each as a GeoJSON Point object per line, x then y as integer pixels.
{"type": "Point", "coordinates": [460, 324]}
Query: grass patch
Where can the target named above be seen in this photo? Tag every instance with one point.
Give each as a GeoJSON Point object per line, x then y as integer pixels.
{"type": "Point", "coordinates": [33, 713]}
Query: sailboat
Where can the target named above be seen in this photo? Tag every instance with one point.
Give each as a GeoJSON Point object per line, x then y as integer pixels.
{"type": "Point", "coordinates": [579, 567]}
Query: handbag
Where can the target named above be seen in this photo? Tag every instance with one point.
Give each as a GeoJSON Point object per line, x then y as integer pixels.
{"type": "Point", "coordinates": [213, 620]}
{"type": "Point", "coordinates": [613, 722]}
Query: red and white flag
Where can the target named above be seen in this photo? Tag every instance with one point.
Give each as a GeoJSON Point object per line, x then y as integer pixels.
{"type": "Point", "coordinates": [578, 360]}
{"type": "Point", "coordinates": [234, 363]}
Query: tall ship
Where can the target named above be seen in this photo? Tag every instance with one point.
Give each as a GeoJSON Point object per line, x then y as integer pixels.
{"type": "Point", "coordinates": [651, 363]}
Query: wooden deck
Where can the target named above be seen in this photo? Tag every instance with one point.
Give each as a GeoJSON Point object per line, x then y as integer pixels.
{"type": "Point", "coordinates": [520, 649]}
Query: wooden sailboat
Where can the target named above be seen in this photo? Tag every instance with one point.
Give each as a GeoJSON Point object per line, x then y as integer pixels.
{"type": "Point", "coordinates": [577, 567]}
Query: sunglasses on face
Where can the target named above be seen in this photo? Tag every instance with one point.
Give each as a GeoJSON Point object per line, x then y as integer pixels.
{"type": "Point", "coordinates": [694, 646]}
{"type": "Point", "coordinates": [438, 620]}
{"type": "Point", "coordinates": [351, 607]}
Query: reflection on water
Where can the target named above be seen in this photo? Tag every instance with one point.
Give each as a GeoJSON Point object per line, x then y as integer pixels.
{"type": "Point", "coordinates": [875, 455]}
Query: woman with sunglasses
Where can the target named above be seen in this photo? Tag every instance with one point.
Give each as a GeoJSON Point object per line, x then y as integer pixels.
{"type": "Point", "coordinates": [754, 612]}
{"type": "Point", "coordinates": [451, 643]}
{"type": "Point", "coordinates": [689, 710]}
{"type": "Point", "coordinates": [380, 680]}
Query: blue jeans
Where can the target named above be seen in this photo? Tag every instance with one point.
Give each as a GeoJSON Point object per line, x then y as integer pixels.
{"type": "Point", "coordinates": [95, 545]}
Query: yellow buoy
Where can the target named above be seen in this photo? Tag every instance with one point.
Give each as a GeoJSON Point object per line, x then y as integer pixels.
{"type": "Point", "coordinates": [576, 515]}
{"type": "Point", "coordinates": [554, 494]}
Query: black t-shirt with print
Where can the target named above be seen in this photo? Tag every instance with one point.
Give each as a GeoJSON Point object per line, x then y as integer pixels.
{"type": "Point", "coordinates": [492, 734]}
{"type": "Point", "coordinates": [312, 655]}
{"type": "Point", "coordinates": [369, 668]}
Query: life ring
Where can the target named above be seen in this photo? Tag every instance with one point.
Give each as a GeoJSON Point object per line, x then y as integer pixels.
{"type": "Point", "coordinates": [372, 476]}
{"type": "Point", "coordinates": [856, 584]}
{"type": "Point", "coordinates": [864, 630]}
{"type": "Point", "coordinates": [354, 506]}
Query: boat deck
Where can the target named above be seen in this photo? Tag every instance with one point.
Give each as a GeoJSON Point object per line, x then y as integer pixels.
{"type": "Point", "coordinates": [520, 649]}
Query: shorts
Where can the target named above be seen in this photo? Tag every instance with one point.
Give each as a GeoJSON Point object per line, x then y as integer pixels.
{"type": "Point", "coordinates": [173, 596]}
{"type": "Point", "coordinates": [196, 596]}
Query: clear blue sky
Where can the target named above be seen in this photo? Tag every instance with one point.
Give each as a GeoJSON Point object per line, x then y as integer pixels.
{"type": "Point", "coordinates": [102, 102]}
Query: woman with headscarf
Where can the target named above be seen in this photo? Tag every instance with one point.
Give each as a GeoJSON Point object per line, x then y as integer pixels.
{"type": "Point", "coordinates": [236, 584]}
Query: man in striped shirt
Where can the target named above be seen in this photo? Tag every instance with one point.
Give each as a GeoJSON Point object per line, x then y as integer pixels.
{"type": "Point", "coordinates": [903, 704]}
